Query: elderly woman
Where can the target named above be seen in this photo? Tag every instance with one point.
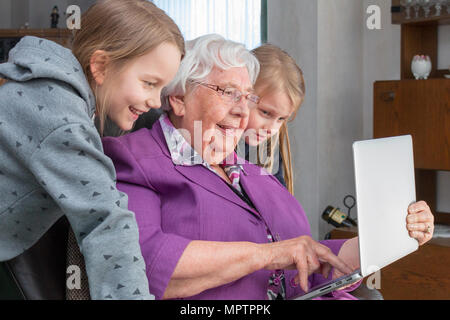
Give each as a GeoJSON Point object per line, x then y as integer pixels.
{"type": "Point", "coordinates": [211, 225]}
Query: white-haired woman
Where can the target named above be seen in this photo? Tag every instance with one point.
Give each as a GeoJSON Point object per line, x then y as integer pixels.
{"type": "Point", "coordinates": [211, 225]}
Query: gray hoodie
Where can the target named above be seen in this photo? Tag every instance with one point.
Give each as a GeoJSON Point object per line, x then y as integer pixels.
{"type": "Point", "coordinates": [52, 164]}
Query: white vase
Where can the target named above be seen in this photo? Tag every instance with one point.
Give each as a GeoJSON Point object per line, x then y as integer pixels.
{"type": "Point", "coordinates": [421, 67]}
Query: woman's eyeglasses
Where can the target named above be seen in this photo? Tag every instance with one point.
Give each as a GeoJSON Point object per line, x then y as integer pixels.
{"type": "Point", "coordinates": [231, 95]}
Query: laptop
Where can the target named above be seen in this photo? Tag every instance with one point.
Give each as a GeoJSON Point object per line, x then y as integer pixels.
{"type": "Point", "coordinates": [385, 187]}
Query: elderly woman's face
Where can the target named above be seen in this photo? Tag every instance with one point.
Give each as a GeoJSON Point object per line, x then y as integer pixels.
{"type": "Point", "coordinates": [222, 122]}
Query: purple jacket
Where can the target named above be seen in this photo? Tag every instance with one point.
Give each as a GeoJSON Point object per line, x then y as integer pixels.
{"type": "Point", "coordinates": [177, 204]}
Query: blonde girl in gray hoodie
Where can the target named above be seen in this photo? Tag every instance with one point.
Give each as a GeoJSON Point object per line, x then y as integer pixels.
{"type": "Point", "coordinates": [51, 156]}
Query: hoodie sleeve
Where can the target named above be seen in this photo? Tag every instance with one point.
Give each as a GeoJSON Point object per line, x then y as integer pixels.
{"type": "Point", "coordinates": [70, 165]}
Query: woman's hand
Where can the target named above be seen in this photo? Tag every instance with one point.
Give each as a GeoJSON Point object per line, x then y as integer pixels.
{"type": "Point", "coordinates": [420, 222]}
{"type": "Point", "coordinates": [196, 272]}
{"type": "Point", "coordinates": [307, 256]}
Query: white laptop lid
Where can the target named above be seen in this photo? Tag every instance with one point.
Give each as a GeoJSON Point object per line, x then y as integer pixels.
{"type": "Point", "coordinates": [385, 187]}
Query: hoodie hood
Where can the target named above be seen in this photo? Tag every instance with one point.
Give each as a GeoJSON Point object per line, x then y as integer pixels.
{"type": "Point", "coordinates": [34, 58]}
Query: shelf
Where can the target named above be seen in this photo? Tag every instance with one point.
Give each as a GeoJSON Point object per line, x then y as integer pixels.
{"type": "Point", "coordinates": [42, 33]}
{"type": "Point", "coordinates": [400, 17]}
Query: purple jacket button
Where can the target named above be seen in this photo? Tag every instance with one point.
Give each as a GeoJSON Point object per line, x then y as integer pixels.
{"type": "Point", "coordinates": [292, 283]}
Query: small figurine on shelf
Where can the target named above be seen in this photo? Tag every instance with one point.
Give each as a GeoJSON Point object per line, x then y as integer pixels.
{"type": "Point", "coordinates": [25, 26]}
{"type": "Point", "coordinates": [421, 67]}
{"type": "Point", "coordinates": [439, 4]}
{"type": "Point", "coordinates": [55, 17]}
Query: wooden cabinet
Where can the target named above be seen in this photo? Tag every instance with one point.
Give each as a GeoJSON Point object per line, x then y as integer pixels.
{"type": "Point", "coordinates": [418, 107]}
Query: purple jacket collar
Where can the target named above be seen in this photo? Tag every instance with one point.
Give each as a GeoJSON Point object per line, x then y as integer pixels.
{"type": "Point", "coordinates": [198, 175]}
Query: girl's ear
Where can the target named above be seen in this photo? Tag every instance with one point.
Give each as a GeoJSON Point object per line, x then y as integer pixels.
{"type": "Point", "coordinates": [99, 61]}
{"type": "Point", "coordinates": [178, 106]}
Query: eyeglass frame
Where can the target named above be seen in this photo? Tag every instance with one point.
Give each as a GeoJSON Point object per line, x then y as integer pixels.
{"type": "Point", "coordinates": [221, 90]}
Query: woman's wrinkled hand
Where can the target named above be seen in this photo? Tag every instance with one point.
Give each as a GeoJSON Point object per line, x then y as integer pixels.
{"type": "Point", "coordinates": [307, 256]}
{"type": "Point", "coordinates": [420, 222]}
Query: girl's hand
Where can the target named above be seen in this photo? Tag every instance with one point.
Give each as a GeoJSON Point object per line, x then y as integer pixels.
{"type": "Point", "coordinates": [350, 254]}
{"type": "Point", "coordinates": [420, 222]}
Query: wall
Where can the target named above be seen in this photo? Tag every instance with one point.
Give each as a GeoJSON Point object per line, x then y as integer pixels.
{"type": "Point", "coordinates": [381, 59]}
{"type": "Point", "coordinates": [40, 11]}
{"type": "Point", "coordinates": [14, 14]}
{"type": "Point", "coordinates": [5, 14]}
{"type": "Point", "coordinates": [326, 41]}
{"type": "Point", "coordinates": [339, 96]}
{"type": "Point", "coordinates": [444, 47]}
{"type": "Point", "coordinates": [292, 25]}
{"type": "Point", "coordinates": [19, 13]}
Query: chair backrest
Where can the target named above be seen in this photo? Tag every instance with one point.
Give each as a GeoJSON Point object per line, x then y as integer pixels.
{"type": "Point", "coordinates": [75, 259]}
{"type": "Point", "coordinates": [147, 119]}
{"type": "Point", "coordinates": [40, 272]}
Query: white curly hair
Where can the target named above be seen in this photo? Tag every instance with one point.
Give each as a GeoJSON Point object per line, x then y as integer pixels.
{"type": "Point", "coordinates": [202, 55]}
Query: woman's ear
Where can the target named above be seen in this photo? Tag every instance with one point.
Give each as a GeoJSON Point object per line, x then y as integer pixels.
{"type": "Point", "coordinates": [178, 106]}
{"type": "Point", "coordinates": [98, 62]}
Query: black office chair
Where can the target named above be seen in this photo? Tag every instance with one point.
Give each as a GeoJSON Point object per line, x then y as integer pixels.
{"type": "Point", "coordinates": [40, 272]}
{"type": "Point", "coordinates": [148, 119]}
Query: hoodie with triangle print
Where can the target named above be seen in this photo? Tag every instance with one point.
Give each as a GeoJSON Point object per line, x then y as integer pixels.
{"type": "Point", "coordinates": [52, 164]}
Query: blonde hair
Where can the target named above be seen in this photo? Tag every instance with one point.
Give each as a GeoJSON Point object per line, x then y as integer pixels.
{"type": "Point", "coordinates": [125, 30]}
{"type": "Point", "coordinates": [279, 72]}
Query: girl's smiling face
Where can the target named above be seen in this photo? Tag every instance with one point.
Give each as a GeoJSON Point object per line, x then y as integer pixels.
{"type": "Point", "coordinates": [137, 88]}
{"type": "Point", "coordinates": [267, 117]}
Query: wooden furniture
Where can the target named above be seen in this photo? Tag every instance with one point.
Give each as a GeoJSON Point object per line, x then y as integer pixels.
{"type": "Point", "coordinates": [418, 107]}
{"type": "Point", "coordinates": [9, 37]}
{"type": "Point", "coordinates": [422, 275]}
{"type": "Point", "coordinates": [419, 36]}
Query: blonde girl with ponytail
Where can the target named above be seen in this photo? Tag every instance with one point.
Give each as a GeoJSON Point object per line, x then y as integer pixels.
{"type": "Point", "coordinates": [281, 88]}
